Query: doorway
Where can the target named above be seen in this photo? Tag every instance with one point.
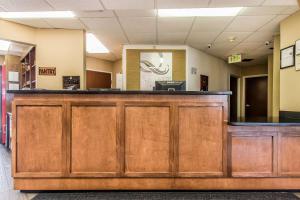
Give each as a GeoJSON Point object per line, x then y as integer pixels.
{"type": "Point", "coordinates": [233, 98]}
{"type": "Point", "coordinates": [256, 99]}
{"type": "Point", "coordinates": [96, 79]}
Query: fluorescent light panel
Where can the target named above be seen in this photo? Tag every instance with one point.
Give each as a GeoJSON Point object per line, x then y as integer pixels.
{"type": "Point", "coordinates": [199, 12]}
{"type": "Point", "coordinates": [4, 45]}
{"type": "Point", "coordinates": [41, 15]}
{"type": "Point", "coordinates": [93, 45]}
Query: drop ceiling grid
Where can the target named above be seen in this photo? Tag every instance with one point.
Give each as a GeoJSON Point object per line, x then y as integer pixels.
{"type": "Point", "coordinates": [154, 5]}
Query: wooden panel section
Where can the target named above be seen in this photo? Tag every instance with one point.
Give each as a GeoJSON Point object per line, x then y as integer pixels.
{"type": "Point", "coordinates": [94, 150]}
{"type": "Point", "coordinates": [97, 79]}
{"type": "Point", "coordinates": [252, 155]}
{"type": "Point", "coordinates": [39, 140]}
{"type": "Point", "coordinates": [289, 154]}
{"type": "Point", "coordinates": [147, 140]}
{"type": "Point", "coordinates": [200, 141]}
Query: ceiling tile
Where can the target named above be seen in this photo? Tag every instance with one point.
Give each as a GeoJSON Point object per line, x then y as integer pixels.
{"type": "Point", "coordinates": [245, 47]}
{"type": "Point", "coordinates": [136, 13]}
{"type": "Point", "coordinates": [76, 5]}
{"type": "Point", "coordinates": [171, 38]}
{"type": "Point", "coordinates": [260, 37]}
{"type": "Point", "coordinates": [111, 39]}
{"type": "Point", "coordinates": [24, 5]}
{"type": "Point", "coordinates": [235, 3]}
{"type": "Point", "coordinates": [138, 24]}
{"type": "Point", "coordinates": [128, 4]}
{"type": "Point", "coordinates": [103, 24]}
{"type": "Point", "coordinates": [280, 3]}
{"type": "Point", "coordinates": [211, 24]}
{"type": "Point", "coordinates": [65, 23]}
{"type": "Point", "coordinates": [239, 36]}
{"type": "Point", "coordinates": [266, 10]}
{"type": "Point", "coordinates": [200, 46]}
{"type": "Point", "coordinates": [37, 23]}
{"type": "Point", "coordinates": [248, 23]}
{"type": "Point", "coordinates": [174, 24]}
{"type": "Point", "coordinates": [100, 13]}
{"type": "Point", "coordinates": [167, 4]}
{"type": "Point", "coordinates": [274, 25]}
{"type": "Point", "coordinates": [202, 37]}
{"type": "Point", "coordinates": [142, 38]}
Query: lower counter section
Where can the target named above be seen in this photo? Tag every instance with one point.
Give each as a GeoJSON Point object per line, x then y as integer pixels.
{"type": "Point", "coordinates": [157, 184]}
{"type": "Point", "coordinates": [118, 141]}
{"type": "Point", "coordinates": [264, 151]}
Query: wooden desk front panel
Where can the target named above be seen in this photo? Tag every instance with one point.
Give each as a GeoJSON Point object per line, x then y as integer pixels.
{"type": "Point", "coordinates": [39, 147]}
{"type": "Point", "coordinates": [148, 149]}
{"type": "Point", "coordinates": [96, 136]}
{"type": "Point", "coordinates": [200, 134]}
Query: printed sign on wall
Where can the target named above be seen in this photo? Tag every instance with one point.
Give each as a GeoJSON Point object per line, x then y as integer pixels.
{"type": "Point", "coordinates": [47, 71]}
{"type": "Point", "coordinates": [154, 66]}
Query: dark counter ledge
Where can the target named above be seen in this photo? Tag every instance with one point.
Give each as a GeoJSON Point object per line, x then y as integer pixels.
{"type": "Point", "coordinates": [119, 92]}
{"type": "Point", "coordinates": [264, 123]}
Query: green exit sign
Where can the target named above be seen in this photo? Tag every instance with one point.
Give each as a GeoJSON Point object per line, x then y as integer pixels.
{"type": "Point", "coordinates": [235, 58]}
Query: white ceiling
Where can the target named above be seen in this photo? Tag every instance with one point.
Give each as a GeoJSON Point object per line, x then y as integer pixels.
{"type": "Point", "coordinates": [118, 22]}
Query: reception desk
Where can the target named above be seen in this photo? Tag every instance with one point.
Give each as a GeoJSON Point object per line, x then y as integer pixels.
{"type": "Point", "coordinates": [96, 140]}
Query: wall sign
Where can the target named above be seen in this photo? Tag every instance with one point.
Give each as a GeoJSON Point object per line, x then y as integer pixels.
{"type": "Point", "coordinates": [47, 71]}
{"type": "Point", "coordinates": [235, 58]}
{"type": "Point", "coordinates": [287, 57]}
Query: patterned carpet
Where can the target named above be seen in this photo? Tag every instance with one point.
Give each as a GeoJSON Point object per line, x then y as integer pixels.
{"type": "Point", "coordinates": [176, 195]}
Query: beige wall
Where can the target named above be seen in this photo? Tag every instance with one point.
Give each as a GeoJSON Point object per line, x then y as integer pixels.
{"type": "Point", "coordinates": [117, 68]}
{"type": "Point", "coordinates": [276, 78]}
{"type": "Point", "coordinates": [105, 66]}
{"type": "Point", "coordinates": [215, 68]}
{"type": "Point", "coordinates": [1, 60]}
{"type": "Point", "coordinates": [289, 78]}
{"type": "Point", "coordinates": [133, 65]}
{"type": "Point", "coordinates": [60, 48]}
{"type": "Point", "coordinates": [63, 49]}
{"type": "Point", "coordinates": [17, 32]}
{"type": "Point", "coordinates": [270, 85]}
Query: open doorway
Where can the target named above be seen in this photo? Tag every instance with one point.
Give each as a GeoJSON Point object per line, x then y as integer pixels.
{"type": "Point", "coordinates": [256, 98]}
{"type": "Point", "coordinates": [233, 98]}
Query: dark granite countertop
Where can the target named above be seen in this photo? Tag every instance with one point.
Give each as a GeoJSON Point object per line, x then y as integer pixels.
{"type": "Point", "coordinates": [264, 124]}
{"type": "Point", "coordinates": [38, 91]}
{"type": "Point", "coordinates": [267, 122]}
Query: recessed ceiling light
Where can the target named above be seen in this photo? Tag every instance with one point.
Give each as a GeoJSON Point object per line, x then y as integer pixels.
{"type": "Point", "coordinates": [4, 45]}
{"type": "Point", "coordinates": [93, 45]}
{"type": "Point", "coordinates": [201, 12]}
{"type": "Point", "coordinates": [41, 15]}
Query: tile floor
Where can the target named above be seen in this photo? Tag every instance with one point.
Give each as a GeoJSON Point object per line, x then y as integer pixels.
{"type": "Point", "coordinates": [6, 183]}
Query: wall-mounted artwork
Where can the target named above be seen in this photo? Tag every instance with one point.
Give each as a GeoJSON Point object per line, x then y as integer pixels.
{"type": "Point", "coordinates": [154, 66]}
{"type": "Point", "coordinates": [287, 57]}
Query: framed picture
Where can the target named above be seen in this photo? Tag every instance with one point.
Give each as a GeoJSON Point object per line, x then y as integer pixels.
{"type": "Point", "coordinates": [287, 57]}
{"type": "Point", "coordinates": [297, 47]}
